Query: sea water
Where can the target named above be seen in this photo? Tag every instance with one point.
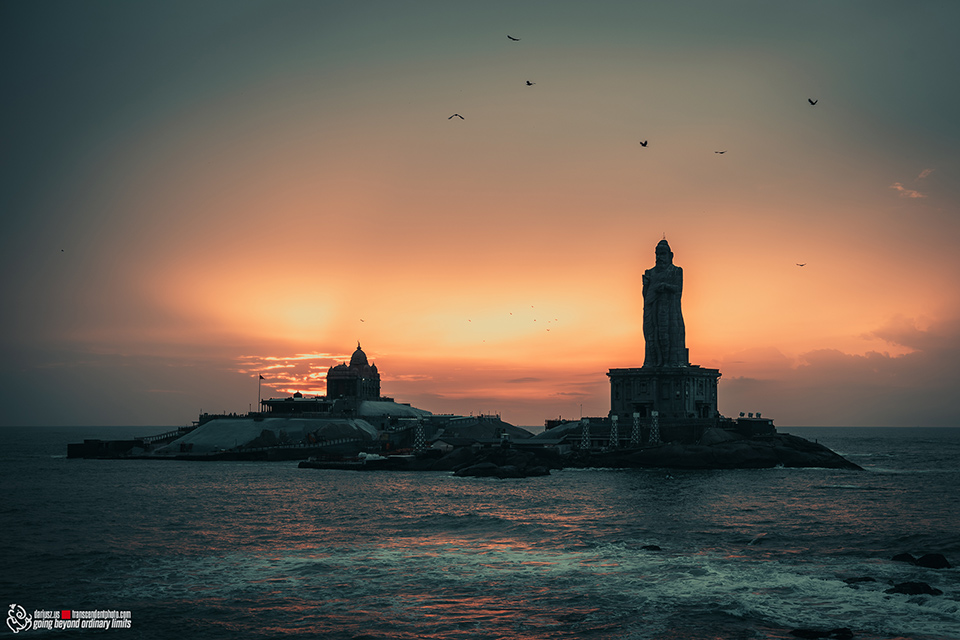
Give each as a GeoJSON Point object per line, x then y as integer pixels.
{"type": "Point", "coordinates": [263, 550]}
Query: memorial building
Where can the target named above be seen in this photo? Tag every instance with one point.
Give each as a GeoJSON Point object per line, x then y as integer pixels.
{"type": "Point", "coordinates": [359, 379]}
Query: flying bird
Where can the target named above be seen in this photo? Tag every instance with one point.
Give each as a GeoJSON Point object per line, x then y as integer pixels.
{"type": "Point", "coordinates": [456, 115]}
{"type": "Point", "coordinates": [802, 265]}
{"type": "Point", "coordinates": [724, 151]}
{"type": "Point", "coordinates": [530, 84]}
{"type": "Point", "coordinates": [643, 143]}
{"type": "Point", "coordinates": [514, 39]}
{"type": "Point", "coordinates": [812, 101]}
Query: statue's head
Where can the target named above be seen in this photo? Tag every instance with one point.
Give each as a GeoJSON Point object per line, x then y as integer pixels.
{"type": "Point", "coordinates": [664, 255]}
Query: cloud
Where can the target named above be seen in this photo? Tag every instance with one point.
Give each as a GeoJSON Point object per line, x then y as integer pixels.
{"type": "Point", "coordinates": [939, 338]}
{"type": "Point", "coordinates": [906, 193]}
{"type": "Point", "coordinates": [405, 377]}
{"type": "Point", "coordinates": [924, 174]}
{"type": "Point", "coordinates": [287, 374]}
{"type": "Point", "coordinates": [524, 380]}
{"type": "Point", "coordinates": [829, 387]}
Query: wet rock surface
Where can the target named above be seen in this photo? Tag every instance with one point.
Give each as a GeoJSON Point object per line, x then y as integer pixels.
{"type": "Point", "coordinates": [933, 561]}
{"type": "Point", "coordinates": [749, 453]}
{"type": "Point", "coordinates": [842, 633]}
{"type": "Point", "coordinates": [929, 560]}
{"type": "Point", "coordinates": [498, 462]}
{"type": "Point", "coordinates": [915, 589]}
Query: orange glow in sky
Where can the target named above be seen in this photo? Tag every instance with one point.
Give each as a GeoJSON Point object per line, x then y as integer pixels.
{"type": "Point", "coordinates": [290, 183]}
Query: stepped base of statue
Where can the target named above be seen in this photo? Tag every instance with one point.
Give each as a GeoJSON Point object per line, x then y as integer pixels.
{"type": "Point", "coordinates": [681, 401]}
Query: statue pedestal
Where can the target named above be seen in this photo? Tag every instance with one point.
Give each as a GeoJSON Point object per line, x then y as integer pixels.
{"type": "Point", "coordinates": [685, 399]}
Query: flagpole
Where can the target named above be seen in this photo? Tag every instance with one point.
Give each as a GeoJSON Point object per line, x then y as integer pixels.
{"type": "Point", "coordinates": [259, 402]}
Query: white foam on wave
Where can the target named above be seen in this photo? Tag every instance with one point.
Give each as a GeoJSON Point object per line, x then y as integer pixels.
{"type": "Point", "coordinates": [658, 584]}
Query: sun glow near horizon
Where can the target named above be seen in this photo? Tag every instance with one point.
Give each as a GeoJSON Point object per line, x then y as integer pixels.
{"type": "Point", "coordinates": [288, 180]}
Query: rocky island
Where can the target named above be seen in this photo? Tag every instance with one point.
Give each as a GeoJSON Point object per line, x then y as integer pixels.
{"type": "Point", "coordinates": [662, 415]}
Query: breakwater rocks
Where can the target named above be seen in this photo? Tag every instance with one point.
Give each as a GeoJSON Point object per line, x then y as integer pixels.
{"type": "Point", "coordinates": [910, 587]}
{"type": "Point", "coordinates": [929, 560]}
{"type": "Point", "coordinates": [491, 462]}
{"type": "Point", "coordinates": [504, 463]}
{"type": "Point", "coordinates": [760, 452]}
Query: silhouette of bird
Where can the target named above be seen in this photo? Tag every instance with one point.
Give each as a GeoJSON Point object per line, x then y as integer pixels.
{"type": "Point", "coordinates": [802, 265]}
{"type": "Point", "coordinates": [514, 39]}
{"type": "Point", "coordinates": [812, 101]}
{"type": "Point", "coordinates": [456, 115]}
{"type": "Point", "coordinates": [724, 151]}
{"type": "Point", "coordinates": [643, 143]}
{"type": "Point", "coordinates": [530, 84]}
{"type": "Point", "coordinates": [361, 320]}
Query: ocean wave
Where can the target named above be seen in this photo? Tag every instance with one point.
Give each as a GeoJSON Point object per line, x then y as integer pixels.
{"type": "Point", "coordinates": [434, 589]}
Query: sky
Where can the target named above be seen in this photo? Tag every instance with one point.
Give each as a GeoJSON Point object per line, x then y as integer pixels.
{"type": "Point", "coordinates": [197, 194]}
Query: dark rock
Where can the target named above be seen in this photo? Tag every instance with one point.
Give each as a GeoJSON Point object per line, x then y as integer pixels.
{"type": "Point", "coordinates": [904, 557]}
{"type": "Point", "coordinates": [479, 470]}
{"type": "Point", "coordinates": [762, 452]}
{"type": "Point", "coordinates": [267, 438]}
{"type": "Point", "coordinates": [842, 633]}
{"type": "Point", "coordinates": [509, 471]}
{"type": "Point", "coordinates": [459, 457]}
{"type": "Point", "coordinates": [858, 580]}
{"type": "Point", "coordinates": [933, 561]}
{"type": "Point", "coordinates": [915, 589]}
{"type": "Point", "coordinates": [499, 462]}
{"type": "Point", "coordinates": [716, 436]}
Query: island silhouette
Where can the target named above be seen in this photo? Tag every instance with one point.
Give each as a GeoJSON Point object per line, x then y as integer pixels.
{"type": "Point", "coordinates": [662, 414]}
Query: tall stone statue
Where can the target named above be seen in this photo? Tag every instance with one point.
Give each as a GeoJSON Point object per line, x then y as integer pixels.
{"type": "Point", "coordinates": [663, 328]}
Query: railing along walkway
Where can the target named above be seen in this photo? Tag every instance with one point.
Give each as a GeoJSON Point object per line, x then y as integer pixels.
{"type": "Point", "coordinates": [166, 436]}
{"type": "Point", "coordinates": [302, 445]}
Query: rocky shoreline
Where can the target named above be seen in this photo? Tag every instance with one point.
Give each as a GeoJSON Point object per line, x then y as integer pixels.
{"type": "Point", "coordinates": [933, 561]}
{"type": "Point", "coordinates": [761, 452]}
